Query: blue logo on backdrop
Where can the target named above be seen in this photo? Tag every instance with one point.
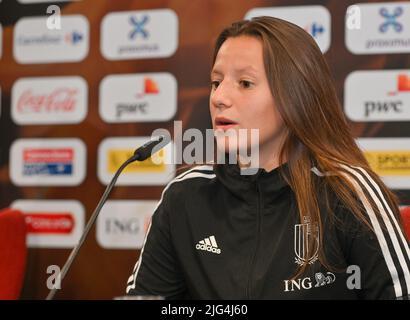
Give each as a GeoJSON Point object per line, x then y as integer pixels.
{"type": "Point", "coordinates": [315, 29]}
{"type": "Point", "coordinates": [138, 27]}
{"type": "Point", "coordinates": [391, 19]}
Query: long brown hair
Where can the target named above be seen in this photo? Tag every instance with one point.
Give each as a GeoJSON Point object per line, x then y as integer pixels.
{"type": "Point", "coordinates": [317, 134]}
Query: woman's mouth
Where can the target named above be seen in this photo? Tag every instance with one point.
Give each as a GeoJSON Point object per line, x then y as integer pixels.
{"type": "Point", "coordinates": [224, 123]}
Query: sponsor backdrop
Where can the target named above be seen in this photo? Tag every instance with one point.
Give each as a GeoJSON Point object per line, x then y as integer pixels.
{"type": "Point", "coordinates": [77, 100]}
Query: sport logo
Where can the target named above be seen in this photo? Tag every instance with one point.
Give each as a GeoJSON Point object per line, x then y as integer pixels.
{"type": "Point", "coordinates": [116, 157]}
{"type": "Point", "coordinates": [303, 232]}
{"type": "Point", "coordinates": [389, 162]}
{"type": "Point", "coordinates": [48, 161]}
{"type": "Point", "coordinates": [389, 158]}
{"type": "Point", "coordinates": [159, 169]}
{"type": "Point", "coordinates": [208, 244]}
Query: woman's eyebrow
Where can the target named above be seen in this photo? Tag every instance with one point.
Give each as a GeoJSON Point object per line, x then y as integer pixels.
{"type": "Point", "coordinates": [249, 69]}
{"type": "Point", "coordinates": [216, 72]}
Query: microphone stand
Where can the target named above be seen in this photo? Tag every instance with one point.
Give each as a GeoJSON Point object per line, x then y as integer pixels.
{"type": "Point", "coordinates": [90, 223]}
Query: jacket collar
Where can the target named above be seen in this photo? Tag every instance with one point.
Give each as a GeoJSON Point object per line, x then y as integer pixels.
{"type": "Point", "coordinates": [269, 184]}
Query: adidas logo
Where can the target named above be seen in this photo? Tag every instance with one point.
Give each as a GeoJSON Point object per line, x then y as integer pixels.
{"type": "Point", "coordinates": [208, 244]}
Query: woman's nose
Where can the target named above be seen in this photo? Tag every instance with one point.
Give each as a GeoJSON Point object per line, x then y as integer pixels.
{"type": "Point", "coordinates": [222, 96]}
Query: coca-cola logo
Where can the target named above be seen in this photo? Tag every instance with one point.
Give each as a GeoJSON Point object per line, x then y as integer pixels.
{"type": "Point", "coordinates": [49, 223]}
{"type": "Point", "coordinates": [59, 100]}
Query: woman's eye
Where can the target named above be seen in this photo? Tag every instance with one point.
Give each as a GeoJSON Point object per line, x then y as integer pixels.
{"type": "Point", "coordinates": [245, 84]}
{"type": "Point", "coordinates": [214, 84]}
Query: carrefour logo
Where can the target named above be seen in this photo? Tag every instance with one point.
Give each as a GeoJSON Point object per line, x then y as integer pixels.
{"type": "Point", "coordinates": [378, 95]}
{"type": "Point", "coordinates": [47, 162]}
{"type": "Point", "coordinates": [112, 152]}
{"type": "Point", "coordinates": [139, 34]}
{"type": "Point", "coordinates": [138, 97]}
{"type": "Point", "coordinates": [35, 43]}
{"type": "Point", "coordinates": [384, 28]}
{"type": "Point", "coordinates": [315, 20]}
{"type": "Point", "coordinates": [389, 158]}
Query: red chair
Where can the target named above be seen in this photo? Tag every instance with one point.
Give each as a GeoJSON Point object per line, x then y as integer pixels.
{"type": "Point", "coordinates": [13, 253]}
{"type": "Point", "coordinates": [405, 213]}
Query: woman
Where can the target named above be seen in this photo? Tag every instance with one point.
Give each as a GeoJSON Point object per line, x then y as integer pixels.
{"type": "Point", "coordinates": [314, 222]}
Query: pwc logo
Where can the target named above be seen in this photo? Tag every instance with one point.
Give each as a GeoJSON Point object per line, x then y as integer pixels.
{"type": "Point", "coordinates": [35, 43]}
{"type": "Point", "coordinates": [378, 95]}
{"type": "Point", "coordinates": [139, 34]}
{"type": "Point", "coordinates": [49, 100]}
{"type": "Point", "coordinates": [123, 224]}
{"type": "Point", "coordinates": [384, 28]}
{"type": "Point", "coordinates": [42, 162]}
{"type": "Point", "coordinates": [389, 158]}
{"type": "Point", "coordinates": [314, 19]}
{"type": "Point", "coordinates": [403, 83]}
{"type": "Point", "coordinates": [52, 223]}
{"type": "Point", "coordinates": [138, 97]}
{"type": "Point", "coordinates": [157, 170]}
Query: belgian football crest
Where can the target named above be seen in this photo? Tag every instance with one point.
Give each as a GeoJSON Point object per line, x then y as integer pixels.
{"type": "Point", "coordinates": [303, 233]}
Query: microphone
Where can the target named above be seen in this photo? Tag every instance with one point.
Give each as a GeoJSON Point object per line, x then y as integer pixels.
{"type": "Point", "coordinates": [140, 154]}
{"type": "Point", "coordinates": [145, 151]}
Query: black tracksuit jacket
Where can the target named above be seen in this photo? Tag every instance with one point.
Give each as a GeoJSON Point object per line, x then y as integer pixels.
{"type": "Point", "coordinates": [217, 234]}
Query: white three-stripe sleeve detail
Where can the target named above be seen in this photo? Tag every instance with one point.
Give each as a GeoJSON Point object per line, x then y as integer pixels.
{"type": "Point", "coordinates": [378, 231]}
{"type": "Point", "coordinates": [393, 218]}
{"type": "Point", "coordinates": [183, 176]}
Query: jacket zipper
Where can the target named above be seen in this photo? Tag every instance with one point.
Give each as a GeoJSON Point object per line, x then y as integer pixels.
{"type": "Point", "coordinates": [258, 227]}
